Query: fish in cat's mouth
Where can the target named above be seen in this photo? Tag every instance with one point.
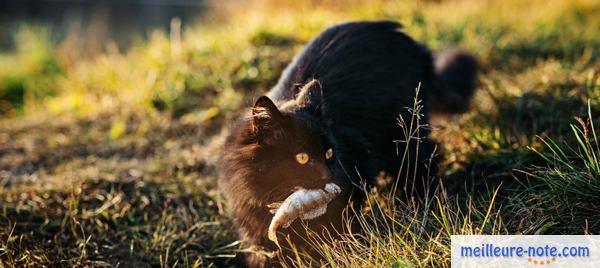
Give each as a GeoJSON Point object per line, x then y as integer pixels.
{"type": "Point", "coordinates": [303, 203]}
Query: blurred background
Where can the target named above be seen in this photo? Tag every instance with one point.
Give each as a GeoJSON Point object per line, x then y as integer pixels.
{"type": "Point", "coordinates": [100, 20]}
{"type": "Point", "coordinates": [48, 47]}
{"type": "Point", "coordinates": [91, 26]}
{"type": "Point", "coordinates": [112, 111]}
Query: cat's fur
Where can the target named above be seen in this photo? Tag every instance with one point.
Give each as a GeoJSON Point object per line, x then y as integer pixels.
{"type": "Point", "coordinates": [344, 91]}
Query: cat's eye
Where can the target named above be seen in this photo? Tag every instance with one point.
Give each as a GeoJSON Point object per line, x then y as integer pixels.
{"type": "Point", "coordinates": [329, 154]}
{"type": "Point", "coordinates": [302, 158]}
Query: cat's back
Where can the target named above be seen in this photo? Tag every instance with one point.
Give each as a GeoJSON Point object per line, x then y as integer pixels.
{"type": "Point", "coordinates": [368, 73]}
{"type": "Point", "coordinates": [359, 65]}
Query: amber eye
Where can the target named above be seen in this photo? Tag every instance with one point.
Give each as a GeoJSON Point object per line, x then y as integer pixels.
{"type": "Point", "coordinates": [329, 154]}
{"type": "Point", "coordinates": [302, 158]}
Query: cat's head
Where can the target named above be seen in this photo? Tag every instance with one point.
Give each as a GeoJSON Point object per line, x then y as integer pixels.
{"type": "Point", "coordinates": [277, 150]}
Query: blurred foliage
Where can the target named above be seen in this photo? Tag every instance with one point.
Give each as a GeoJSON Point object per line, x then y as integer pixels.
{"type": "Point", "coordinates": [30, 74]}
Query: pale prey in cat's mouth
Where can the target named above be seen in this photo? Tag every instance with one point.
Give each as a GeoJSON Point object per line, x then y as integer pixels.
{"type": "Point", "coordinates": [303, 203]}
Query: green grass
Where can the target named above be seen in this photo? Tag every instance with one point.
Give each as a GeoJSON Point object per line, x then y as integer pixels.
{"type": "Point", "coordinates": [108, 158]}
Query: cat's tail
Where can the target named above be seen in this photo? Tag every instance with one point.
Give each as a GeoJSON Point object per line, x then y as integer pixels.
{"type": "Point", "coordinates": [454, 83]}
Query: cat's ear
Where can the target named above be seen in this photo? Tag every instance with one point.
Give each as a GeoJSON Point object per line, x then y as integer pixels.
{"type": "Point", "coordinates": [310, 94]}
{"type": "Point", "coordinates": [265, 114]}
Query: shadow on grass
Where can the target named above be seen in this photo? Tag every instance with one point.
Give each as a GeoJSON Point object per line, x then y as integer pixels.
{"type": "Point", "coordinates": [100, 222]}
{"type": "Point", "coordinates": [139, 200]}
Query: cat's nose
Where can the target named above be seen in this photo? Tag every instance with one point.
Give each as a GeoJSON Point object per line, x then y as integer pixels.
{"type": "Point", "coordinates": [325, 173]}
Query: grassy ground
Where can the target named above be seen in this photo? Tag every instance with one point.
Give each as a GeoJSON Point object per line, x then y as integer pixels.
{"type": "Point", "coordinates": [108, 159]}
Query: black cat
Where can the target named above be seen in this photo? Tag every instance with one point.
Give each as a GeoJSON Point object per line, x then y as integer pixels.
{"type": "Point", "coordinates": [332, 117]}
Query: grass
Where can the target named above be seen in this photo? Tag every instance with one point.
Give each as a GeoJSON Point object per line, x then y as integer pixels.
{"type": "Point", "coordinates": [108, 159]}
